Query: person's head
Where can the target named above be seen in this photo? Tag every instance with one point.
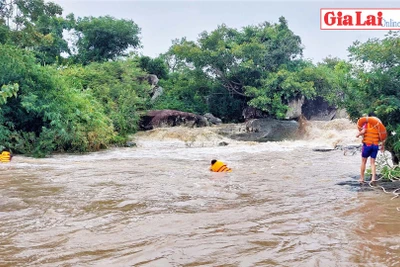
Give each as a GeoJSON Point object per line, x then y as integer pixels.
{"type": "Point", "coordinates": [371, 114]}
{"type": "Point", "coordinates": [5, 150]}
{"type": "Point", "coordinates": [213, 161]}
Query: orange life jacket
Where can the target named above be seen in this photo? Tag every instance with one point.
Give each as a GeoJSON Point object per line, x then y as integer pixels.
{"type": "Point", "coordinates": [5, 156]}
{"type": "Point", "coordinates": [375, 131]}
{"type": "Point", "coordinates": [371, 136]}
{"type": "Point", "coordinates": [219, 166]}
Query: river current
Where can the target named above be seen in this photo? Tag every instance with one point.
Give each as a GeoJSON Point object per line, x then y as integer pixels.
{"type": "Point", "coordinates": [157, 204]}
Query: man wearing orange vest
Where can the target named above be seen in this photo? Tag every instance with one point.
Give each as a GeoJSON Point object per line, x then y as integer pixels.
{"type": "Point", "coordinates": [219, 166]}
{"type": "Point", "coordinates": [370, 148]}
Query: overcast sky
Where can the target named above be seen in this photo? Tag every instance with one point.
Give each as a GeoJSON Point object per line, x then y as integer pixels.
{"type": "Point", "coordinates": [163, 21]}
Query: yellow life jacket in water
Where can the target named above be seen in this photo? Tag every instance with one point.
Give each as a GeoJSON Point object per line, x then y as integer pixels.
{"type": "Point", "coordinates": [219, 166]}
{"type": "Point", "coordinates": [5, 156]}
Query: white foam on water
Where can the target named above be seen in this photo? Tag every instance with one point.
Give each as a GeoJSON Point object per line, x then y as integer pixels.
{"type": "Point", "coordinates": [200, 143]}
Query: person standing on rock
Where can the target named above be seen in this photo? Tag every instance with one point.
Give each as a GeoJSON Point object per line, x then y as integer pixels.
{"type": "Point", "coordinates": [374, 134]}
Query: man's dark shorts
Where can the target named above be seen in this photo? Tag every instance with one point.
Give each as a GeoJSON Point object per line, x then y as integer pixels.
{"type": "Point", "coordinates": [369, 151]}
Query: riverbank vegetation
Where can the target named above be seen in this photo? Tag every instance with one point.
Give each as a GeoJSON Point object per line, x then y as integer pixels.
{"type": "Point", "coordinates": [72, 84]}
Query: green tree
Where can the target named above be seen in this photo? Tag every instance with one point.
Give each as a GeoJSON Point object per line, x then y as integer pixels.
{"type": "Point", "coordinates": [47, 115]}
{"type": "Point", "coordinates": [186, 90]}
{"type": "Point", "coordinates": [155, 66]}
{"type": "Point", "coordinates": [255, 63]}
{"type": "Point", "coordinates": [35, 25]}
{"type": "Point", "coordinates": [4, 34]}
{"type": "Point", "coordinates": [225, 105]}
{"type": "Point", "coordinates": [104, 38]}
{"type": "Point", "coordinates": [329, 78]}
{"type": "Point", "coordinates": [172, 61]}
{"type": "Point", "coordinates": [277, 88]}
{"type": "Point", "coordinates": [376, 87]}
{"type": "Point", "coordinates": [7, 91]}
{"type": "Point", "coordinates": [118, 86]}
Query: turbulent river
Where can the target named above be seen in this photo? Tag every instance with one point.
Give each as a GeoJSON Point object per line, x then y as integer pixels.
{"type": "Point", "coordinates": [157, 204]}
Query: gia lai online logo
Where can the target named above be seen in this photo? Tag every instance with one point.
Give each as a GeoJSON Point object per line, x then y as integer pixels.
{"type": "Point", "coordinates": [360, 19]}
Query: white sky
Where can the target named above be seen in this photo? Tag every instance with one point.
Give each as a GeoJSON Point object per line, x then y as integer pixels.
{"type": "Point", "coordinates": [163, 21]}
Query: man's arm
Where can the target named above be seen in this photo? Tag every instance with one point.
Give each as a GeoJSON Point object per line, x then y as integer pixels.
{"type": "Point", "coordinates": [382, 146]}
{"type": "Point", "coordinates": [361, 132]}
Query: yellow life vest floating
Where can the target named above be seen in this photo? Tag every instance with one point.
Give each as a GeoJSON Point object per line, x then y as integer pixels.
{"type": "Point", "coordinates": [219, 166]}
{"type": "Point", "coordinates": [5, 156]}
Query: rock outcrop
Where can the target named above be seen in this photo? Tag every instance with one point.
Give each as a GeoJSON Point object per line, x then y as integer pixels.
{"type": "Point", "coordinates": [213, 120]}
{"type": "Point", "coordinates": [157, 91]}
{"type": "Point", "coordinates": [261, 130]}
{"type": "Point", "coordinates": [152, 80]}
{"type": "Point", "coordinates": [295, 109]}
{"type": "Point", "coordinates": [252, 113]}
{"type": "Point", "coordinates": [311, 109]}
{"type": "Point", "coordinates": [170, 118]}
{"type": "Point", "coordinates": [318, 110]}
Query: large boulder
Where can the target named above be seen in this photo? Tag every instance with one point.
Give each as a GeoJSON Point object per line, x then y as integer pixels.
{"type": "Point", "coordinates": [170, 118]}
{"type": "Point", "coordinates": [261, 130]}
{"type": "Point", "coordinates": [341, 114]}
{"type": "Point", "coordinates": [311, 109]}
{"type": "Point", "coordinates": [318, 110]}
{"type": "Point", "coordinates": [295, 108]}
{"type": "Point", "coordinates": [252, 113]}
{"type": "Point", "coordinates": [152, 79]}
{"type": "Point", "coordinates": [213, 120]}
{"type": "Point", "coordinates": [157, 91]}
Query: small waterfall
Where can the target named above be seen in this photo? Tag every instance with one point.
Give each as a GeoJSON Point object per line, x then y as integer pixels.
{"type": "Point", "coordinates": [319, 133]}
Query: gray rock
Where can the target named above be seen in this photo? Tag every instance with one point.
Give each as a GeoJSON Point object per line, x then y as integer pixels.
{"type": "Point", "coordinates": [295, 108]}
{"type": "Point", "coordinates": [341, 114]}
{"type": "Point", "coordinates": [252, 113]}
{"type": "Point", "coordinates": [170, 118]}
{"type": "Point", "coordinates": [152, 79]}
{"type": "Point", "coordinates": [261, 130]}
{"type": "Point", "coordinates": [213, 120]}
{"type": "Point", "coordinates": [223, 143]}
{"type": "Point", "coordinates": [130, 144]}
{"type": "Point", "coordinates": [157, 91]}
{"type": "Point", "coordinates": [318, 110]}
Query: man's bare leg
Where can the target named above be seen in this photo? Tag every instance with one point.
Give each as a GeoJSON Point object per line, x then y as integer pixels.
{"type": "Point", "coordinates": [373, 170]}
{"type": "Point", "coordinates": [363, 166]}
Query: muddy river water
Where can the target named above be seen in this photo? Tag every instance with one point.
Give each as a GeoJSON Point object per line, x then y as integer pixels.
{"type": "Point", "coordinates": [157, 204]}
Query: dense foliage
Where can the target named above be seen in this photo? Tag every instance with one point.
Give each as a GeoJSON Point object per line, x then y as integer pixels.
{"type": "Point", "coordinates": [375, 85]}
{"type": "Point", "coordinates": [257, 63]}
{"type": "Point", "coordinates": [77, 84]}
{"type": "Point", "coordinates": [103, 38]}
{"type": "Point", "coordinates": [46, 113]}
{"type": "Point", "coordinates": [51, 104]}
{"type": "Point", "coordinates": [118, 88]}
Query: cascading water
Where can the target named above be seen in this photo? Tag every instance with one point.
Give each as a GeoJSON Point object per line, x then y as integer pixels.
{"type": "Point", "coordinates": [157, 204]}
